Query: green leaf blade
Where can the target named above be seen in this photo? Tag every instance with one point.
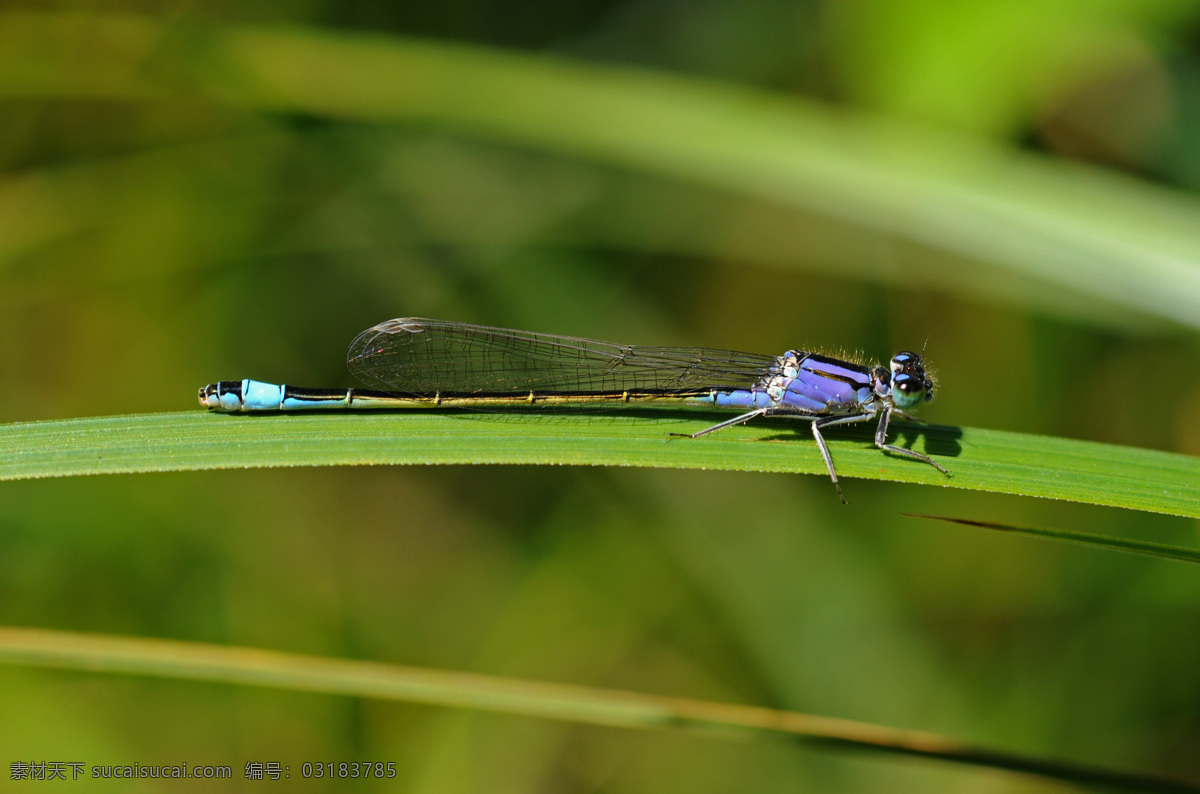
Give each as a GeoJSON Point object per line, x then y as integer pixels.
{"type": "Point", "coordinates": [1162, 551]}
{"type": "Point", "coordinates": [573, 703]}
{"type": "Point", "coordinates": [978, 459]}
{"type": "Point", "coordinates": [1039, 223]}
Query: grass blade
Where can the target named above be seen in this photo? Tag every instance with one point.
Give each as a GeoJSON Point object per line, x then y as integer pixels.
{"type": "Point", "coordinates": [985, 460]}
{"type": "Point", "coordinates": [254, 667]}
{"type": "Point", "coordinates": [1129, 546]}
{"type": "Point", "coordinates": [1121, 242]}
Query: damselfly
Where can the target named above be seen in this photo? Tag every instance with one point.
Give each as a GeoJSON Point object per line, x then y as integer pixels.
{"type": "Point", "coordinates": [416, 362]}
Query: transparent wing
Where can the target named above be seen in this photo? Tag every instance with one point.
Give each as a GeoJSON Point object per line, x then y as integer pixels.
{"type": "Point", "coordinates": [419, 356]}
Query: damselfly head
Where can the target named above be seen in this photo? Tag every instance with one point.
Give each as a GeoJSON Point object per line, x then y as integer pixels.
{"type": "Point", "coordinates": [911, 385]}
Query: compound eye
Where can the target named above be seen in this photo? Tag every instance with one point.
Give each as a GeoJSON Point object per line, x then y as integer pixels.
{"type": "Point", "coordinates": [907, 390]}
{"type": "Point", "coordinates": [906, 362]}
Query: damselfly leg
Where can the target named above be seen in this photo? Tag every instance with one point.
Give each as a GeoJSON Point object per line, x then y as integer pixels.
{"type": "Point", "coordinates": [881, 442]}
{"type": "Point", "coordinates": [737, 420]}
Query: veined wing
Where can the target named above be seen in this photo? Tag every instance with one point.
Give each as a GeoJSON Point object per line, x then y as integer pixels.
{"type": "Point", "coordinates": [420, 356]}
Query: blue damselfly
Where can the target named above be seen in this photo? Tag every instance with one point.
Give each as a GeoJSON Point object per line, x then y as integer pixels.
{"type": "Point", "coordinates": [416, 362]}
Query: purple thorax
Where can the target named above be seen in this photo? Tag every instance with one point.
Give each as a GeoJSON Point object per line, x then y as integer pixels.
{"type": "Point", "coordinates": [827, 386]}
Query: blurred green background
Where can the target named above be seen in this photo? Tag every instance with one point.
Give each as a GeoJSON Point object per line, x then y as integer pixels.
{"type": "Point", "coordinates": [194, 192]}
